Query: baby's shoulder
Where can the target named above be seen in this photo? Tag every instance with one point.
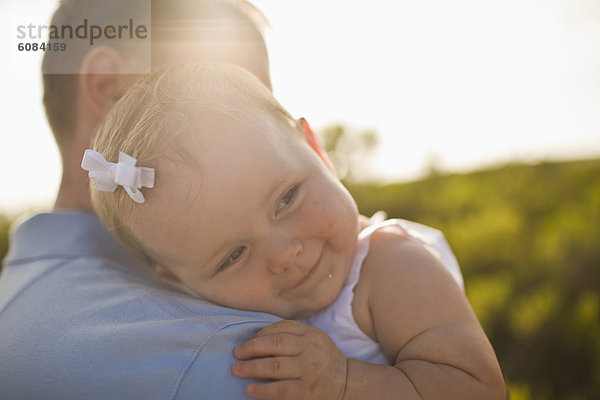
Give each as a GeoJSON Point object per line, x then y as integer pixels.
{"type": "Point", "coordinates": [393, 253]}
{"type": "Point", "coordinates": [384, 244]}
{"type": "Point", "coordinates": [396, 267]}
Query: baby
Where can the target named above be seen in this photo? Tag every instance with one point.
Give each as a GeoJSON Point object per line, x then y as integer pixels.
{"type": "Point", "coordinates": [217, 183]}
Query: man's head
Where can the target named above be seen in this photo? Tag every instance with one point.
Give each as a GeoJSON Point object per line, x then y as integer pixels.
{"type": "Point", "coordinates": [182, 31]}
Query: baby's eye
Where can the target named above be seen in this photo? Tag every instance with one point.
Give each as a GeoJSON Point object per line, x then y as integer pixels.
{"type": "Point", "coordinates": [285, 199]}
{"type": "Point", "coordinates": [231, 258]}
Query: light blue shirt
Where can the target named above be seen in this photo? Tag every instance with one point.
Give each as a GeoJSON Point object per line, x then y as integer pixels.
{"type": "Point", "coordinates": [80, 319]}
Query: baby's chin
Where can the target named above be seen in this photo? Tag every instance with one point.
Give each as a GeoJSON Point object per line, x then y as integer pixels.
{"type": "Point", "coordinates": [306, 312]}
{"type": "Point", "coordinates": [297, 316]}
{"type": "Point", "coordinates": [299, 313]}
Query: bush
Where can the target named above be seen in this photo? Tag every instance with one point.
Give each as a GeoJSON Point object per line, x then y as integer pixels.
{"type": "Point", "coordinates": [527, 241]}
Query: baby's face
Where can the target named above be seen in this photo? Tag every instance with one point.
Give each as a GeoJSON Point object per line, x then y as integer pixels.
{"type": "Point", "coordinates": [261, 225]}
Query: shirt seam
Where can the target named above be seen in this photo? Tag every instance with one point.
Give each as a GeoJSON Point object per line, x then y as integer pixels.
{"type": "Point", "coordinates": [183, 373]}
{"type": "Point", "coordinates": [21, 261]}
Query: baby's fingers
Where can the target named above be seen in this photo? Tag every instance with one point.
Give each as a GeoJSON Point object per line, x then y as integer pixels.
{"type": "Point", "coordinates": [268, 368]}
{"type": "Point", "coordinates": [281, 344]}
{"type": "Point", "coordinates": [280, 390]}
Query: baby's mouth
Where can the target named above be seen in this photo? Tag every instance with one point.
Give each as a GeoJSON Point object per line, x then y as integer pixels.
{"type": "Point", "coordinates": [310, 272]}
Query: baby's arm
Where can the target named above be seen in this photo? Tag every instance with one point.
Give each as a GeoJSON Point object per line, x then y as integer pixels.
{"type": "Point", "coordinates": [415, 311]}
{"type": "Point", "coordinates": [425, 326]}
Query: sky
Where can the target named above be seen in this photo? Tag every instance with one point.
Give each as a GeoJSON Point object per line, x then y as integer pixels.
{"type": "Point", "coordinates": [463, 84]}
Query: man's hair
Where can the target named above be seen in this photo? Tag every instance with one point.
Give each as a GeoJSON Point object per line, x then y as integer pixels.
{"type": "Point", "coordinates": [172, 20]}
{"type": "Point", "coordinates": [158, 118]}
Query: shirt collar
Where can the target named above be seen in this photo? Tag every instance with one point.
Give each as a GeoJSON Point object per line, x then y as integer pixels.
{"type": "Point", "coordinates": [64, 234]}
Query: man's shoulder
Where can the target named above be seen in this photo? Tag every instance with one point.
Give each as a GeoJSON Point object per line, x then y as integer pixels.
{"type": "Point", "coordinates": [86, 326]}
{"type": "Point", "coordinates": [87, 329]}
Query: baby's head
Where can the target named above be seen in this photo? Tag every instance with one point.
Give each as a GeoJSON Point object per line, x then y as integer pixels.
{"type": "Point", "coordinates": [243, 210]}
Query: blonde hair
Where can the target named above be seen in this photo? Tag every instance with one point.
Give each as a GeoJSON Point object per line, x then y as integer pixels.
{"type": "Point", "coordinates": [149, 119]}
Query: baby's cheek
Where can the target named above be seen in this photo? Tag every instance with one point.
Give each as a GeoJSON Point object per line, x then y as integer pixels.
{"type": "Point", "coordinates": [336, 215]}
{"type": "Point", "coordinates": [322, 213]}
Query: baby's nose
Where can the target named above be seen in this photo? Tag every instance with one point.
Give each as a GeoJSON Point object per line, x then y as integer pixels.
{"type": "Point", "coordinates": [283, 254]}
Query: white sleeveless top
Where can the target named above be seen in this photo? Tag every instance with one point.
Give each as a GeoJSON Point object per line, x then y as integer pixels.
{"type": "Point", "coordinates": [337, 319]}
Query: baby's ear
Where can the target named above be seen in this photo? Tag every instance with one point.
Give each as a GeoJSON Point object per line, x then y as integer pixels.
{"type": "Point", "coordinates": [312, 141]}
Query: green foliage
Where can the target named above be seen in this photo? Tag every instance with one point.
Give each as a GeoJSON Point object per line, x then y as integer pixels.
{"type": "Point", "coordinates": [5, 222]}
{"type": "Point", "coordinates": [528, 241]}
{"type": "Point", "coordinates": [348, 149]}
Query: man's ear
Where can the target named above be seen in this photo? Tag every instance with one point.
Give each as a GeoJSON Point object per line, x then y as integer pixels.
{"type": "Point", "coordinates": [312, 141]}
{"type": "Point", "coordinates": [103, 79]}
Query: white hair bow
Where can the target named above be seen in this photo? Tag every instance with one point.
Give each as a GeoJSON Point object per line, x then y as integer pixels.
{"type": "Point", "coordinates": [108, 175]}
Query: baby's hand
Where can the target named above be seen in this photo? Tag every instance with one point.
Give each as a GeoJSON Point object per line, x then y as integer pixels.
{"type": "Point", "coordinates": [303, 361]}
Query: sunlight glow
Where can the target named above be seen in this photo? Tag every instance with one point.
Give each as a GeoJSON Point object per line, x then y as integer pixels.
{"type": "Point", "coordinates": [458, 84]}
